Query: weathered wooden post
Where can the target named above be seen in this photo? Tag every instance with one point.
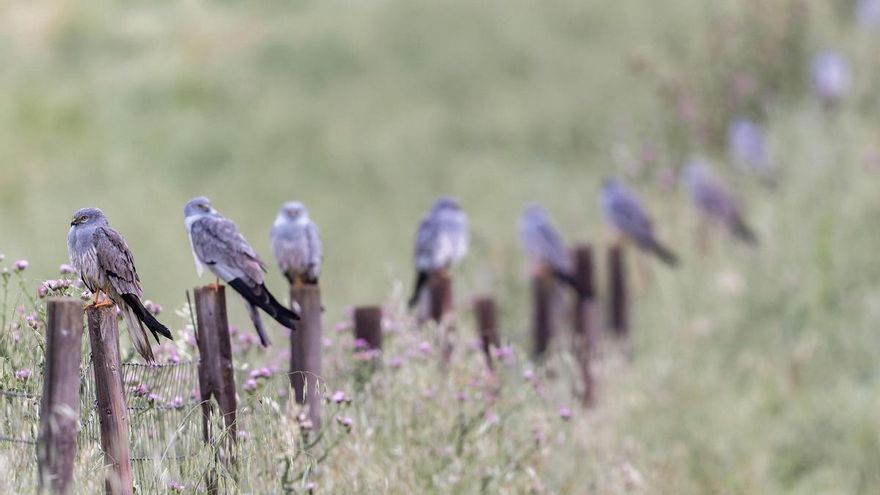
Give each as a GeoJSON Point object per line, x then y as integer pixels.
{"type": "Point", "coordinates": [59, 408]}
{"type": "Point", "coordinates": [305, 351]}
{"type": "Point", "coordinates": [487, 325]}
{"type": "Point", "coordinates": [216, 377]}
{"type": "Point", "coordinates": [543, 288]}
{"type": "Point", "coordinates": [439, 295]}
{"type": "Point", "coordinates": [368, 326]}
{"type": "Point", "coordinates": [585, 338]}
{"type": "Point", "coordinates": [110, 395]}
{"type": "Point", "coordinates": [618, 320]}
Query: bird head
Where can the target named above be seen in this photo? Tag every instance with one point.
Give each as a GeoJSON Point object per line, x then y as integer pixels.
{"type": "Point", "coordinates": [198, 206]}
{"type": "Point", "coordinates": [88, 216]}
{"type": "Point", "coordinates": [445, 203]}
{"type": "Point", "coordinates": [293, 210]}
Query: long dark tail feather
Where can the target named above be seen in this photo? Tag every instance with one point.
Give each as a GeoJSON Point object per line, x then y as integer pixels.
{"type": "Point", "coordinates": [742, 231]}
{"type": "Point", "coordinates": [570, 280]}
{"type": "Point", "coordinates": [147, 318]}
{"type": "Point", "coordinates": [263, 299]}
{"type": "Point", "coordinates": [258, 324]}
{"type": "Point", "coordinates": [662, 252]}
{"type": "Point", "coordinates": [421, 279]}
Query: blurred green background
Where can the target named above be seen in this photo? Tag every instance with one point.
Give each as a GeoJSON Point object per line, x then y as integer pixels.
{"type": "Point", "coordinates": [756, 369]}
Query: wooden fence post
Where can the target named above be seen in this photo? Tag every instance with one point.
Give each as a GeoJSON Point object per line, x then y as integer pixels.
{"type": "Point", "coordinates": [487, 325]}
{"type": "Point", "coordinates": [216, 377]}
{"type": "Point", "coordinates": [305, 352]}
{"type": "Point", "coordinates": [585, 338]}
{"type": "Point", "coordinates": [59, 408]}
{"type": "Point", "coordinates": [110, 395]}
{"type": "Point", "coordinates": [542, 312]}
{"type": "Point", "coordinates": [440, 295]}
{"type": "Point", "coordinates": [368, 326]}
{"type": "Point", "coordinates": [617, 311]}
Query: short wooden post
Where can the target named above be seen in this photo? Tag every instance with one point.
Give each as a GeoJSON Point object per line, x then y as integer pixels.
{"type": "Point", "coordinates": [487, 325]}
{"type": "Point", "coordinates": [59, 408]}
{"type": "Point", "coordinates": [585, 337]}
{"type": "Point", "coordinates": [440, 295]}
{"type": "Point", "coordinates": [110, 395]}
{"type": "Point", "coordinates": [618, 321]}
{"type": "Point", "coordinates": [216, 377]}
{"type": "Point", "coordinates": [543, 286]}
{"type": "Point", "coordinates": [368, 326]}
{"type": "Point", "coordinates": [305, 351]}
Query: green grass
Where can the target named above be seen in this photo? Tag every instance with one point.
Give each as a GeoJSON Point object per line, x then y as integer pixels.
{"type": "Point", "coordinates": [749, 371]}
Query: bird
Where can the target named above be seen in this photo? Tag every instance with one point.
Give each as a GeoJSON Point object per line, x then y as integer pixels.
{"type": "Point", "coordinates": [714, 200]}
{"type": "Point", "coordinates": [106, 265]}
{"type": "Point", "coordinates": [441, 241]}
{"type": "Point", "coordinates": [544, 246]}
{"type": "Point", "coordinates": [296, 244]}
{"type": "Point", "coordinates": [624, 212]}
{"type": "Point", "coordinates": [217, 243]}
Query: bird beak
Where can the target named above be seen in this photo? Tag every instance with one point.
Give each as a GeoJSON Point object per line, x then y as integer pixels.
{"type": "Point", "coordinates": [73, 222]}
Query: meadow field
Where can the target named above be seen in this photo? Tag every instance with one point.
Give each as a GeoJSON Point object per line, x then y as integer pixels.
{"type": "Point", "coordinates": [748, 370]}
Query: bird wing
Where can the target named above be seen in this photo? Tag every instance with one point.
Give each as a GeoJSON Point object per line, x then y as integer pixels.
{"type": "Point", "coordinates": [115, 260]}
{"type": "Point", "coordinates": [426, 243]}
{"type": "Point", "coordinates": [629, 217]}
{"type": "Point", "coordinates": [550, 246]}
{"type": "Point", "coordinates": [218, 244]}
{"type": "Point", "coordinates": [316, 252]}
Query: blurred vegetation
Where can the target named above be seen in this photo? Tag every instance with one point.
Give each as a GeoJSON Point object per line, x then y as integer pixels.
{"type": "Point", "coordinates": [750, 371]}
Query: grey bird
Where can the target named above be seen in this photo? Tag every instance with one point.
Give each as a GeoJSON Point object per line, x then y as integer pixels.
{"type": "Point", "coordinates": [544, 246]}
{"type": "Point", "coordinates": [104, 262]}
{"type": "Point", "coordinates": [714, 200]}
{"type": "Point", "coordinates": [296, 244]}
{"type": "Point", "coordinates": [624, 212]}
{"type": "Point", "coordinates": [441, 241]}
{"type": "Point", "coordinates": [217, 244]}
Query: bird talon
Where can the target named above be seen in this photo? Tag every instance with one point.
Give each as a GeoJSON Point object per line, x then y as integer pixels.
{"type": "Point", "coordinates": [103, 304]}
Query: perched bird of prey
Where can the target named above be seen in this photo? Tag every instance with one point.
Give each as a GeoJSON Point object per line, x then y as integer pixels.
{"type": "Point", "coordinates": [714, 200]}
{"type": "Point", "coordinates": [105, 264]}
{"type": "Point", "coordinates": [296, 244]}
{"type": "Point", "coordinates": [544, 246]}
{"type": "Point", "coordinates": [217, 243]}
{"type": "Point", "coordinates": [441, 241]}
{"type": "Point", "coordinates": [625, 213]}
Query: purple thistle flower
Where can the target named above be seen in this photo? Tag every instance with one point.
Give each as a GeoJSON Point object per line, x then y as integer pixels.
{"type": "Point", "coordinates": [23, 374]}
{"type": "Point", "coordinates": [152, 307]}
{"type": "Point", "coordinates": [360, 344]}
{"type": "Point", "coordinates": [345, 421]}
{"type": "Point", "coordinates": [154, 397]}
{"type": "Point", "coordinates": [250, 385]}
{"type": "Point", "coordinates": [21, 265]}
{"type": "Point", "coordinates": [243, 435]}
{"type": "Point", "coordinates": [175, 486]}
{"type": "Point", "coordinates": [42, 290]}
{"type": "Point", "coordinates": [425, 347]}
{"type": "Point", "coordinates": [66, 269]}
{"type": "Point", "coordinates": [747, 145]}
{"type": "Point", "coordinates": [338, 396]}
{"type": "Point", "coordinates": [396, 362]}
{"type": "Point", "coordinates": [830, 76]}
{"type": "Point", "coordinates": [565, 413]}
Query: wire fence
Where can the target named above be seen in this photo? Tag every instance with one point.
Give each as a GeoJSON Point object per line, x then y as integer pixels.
{"type": "Point", "coordinates": [163, 402]}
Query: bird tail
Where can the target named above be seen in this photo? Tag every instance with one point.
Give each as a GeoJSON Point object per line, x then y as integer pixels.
{"type": "Point", "coordinates": [743, 232]}
{"type": "Point", "coordinates": [143, 315]}
{"type": "Point", "coordinates": [421, 279]}
{"type": "Point", "coordinates": [570, 280]}
{"type": "Point", "coordinates": [263, 299]}
{"type": "Point", "coordinates": [662, 252]}
{"type": "Point", "coordinates": [139, 336]}
{"type": "Point", "coordinates": [258, 324]}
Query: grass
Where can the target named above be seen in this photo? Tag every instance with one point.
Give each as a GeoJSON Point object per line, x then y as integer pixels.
{"type": "Point", "coordinates": [749, 371]}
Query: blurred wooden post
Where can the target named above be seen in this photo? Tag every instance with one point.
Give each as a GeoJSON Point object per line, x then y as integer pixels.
{"type": "Point", "coordinates": [542, 312]}
{"type": "Point", "coordinates": [618, 321]}
{"type": "Point", "coordinates": [59, 408]}
{"type": "Point", "coordinates": [585, 338]}
{"type": "Point", "coordinates": [440, 295]}
{"type": "Point", "coordinates": [487, 324]}
{"type": "Point", "coordinates": [110, 395]}
{"type": "Point", "coordinates": [216, 377]}
{"type": "Point", "coordinates": [368, 326]}
{"type": "Point", "coordinates": [305, 351]}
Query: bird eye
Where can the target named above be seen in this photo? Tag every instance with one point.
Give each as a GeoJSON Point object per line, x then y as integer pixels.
{"type": "Point", "coordinates": [203, 206]}
{"type": "Point", "coordinates": [83, 218]}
